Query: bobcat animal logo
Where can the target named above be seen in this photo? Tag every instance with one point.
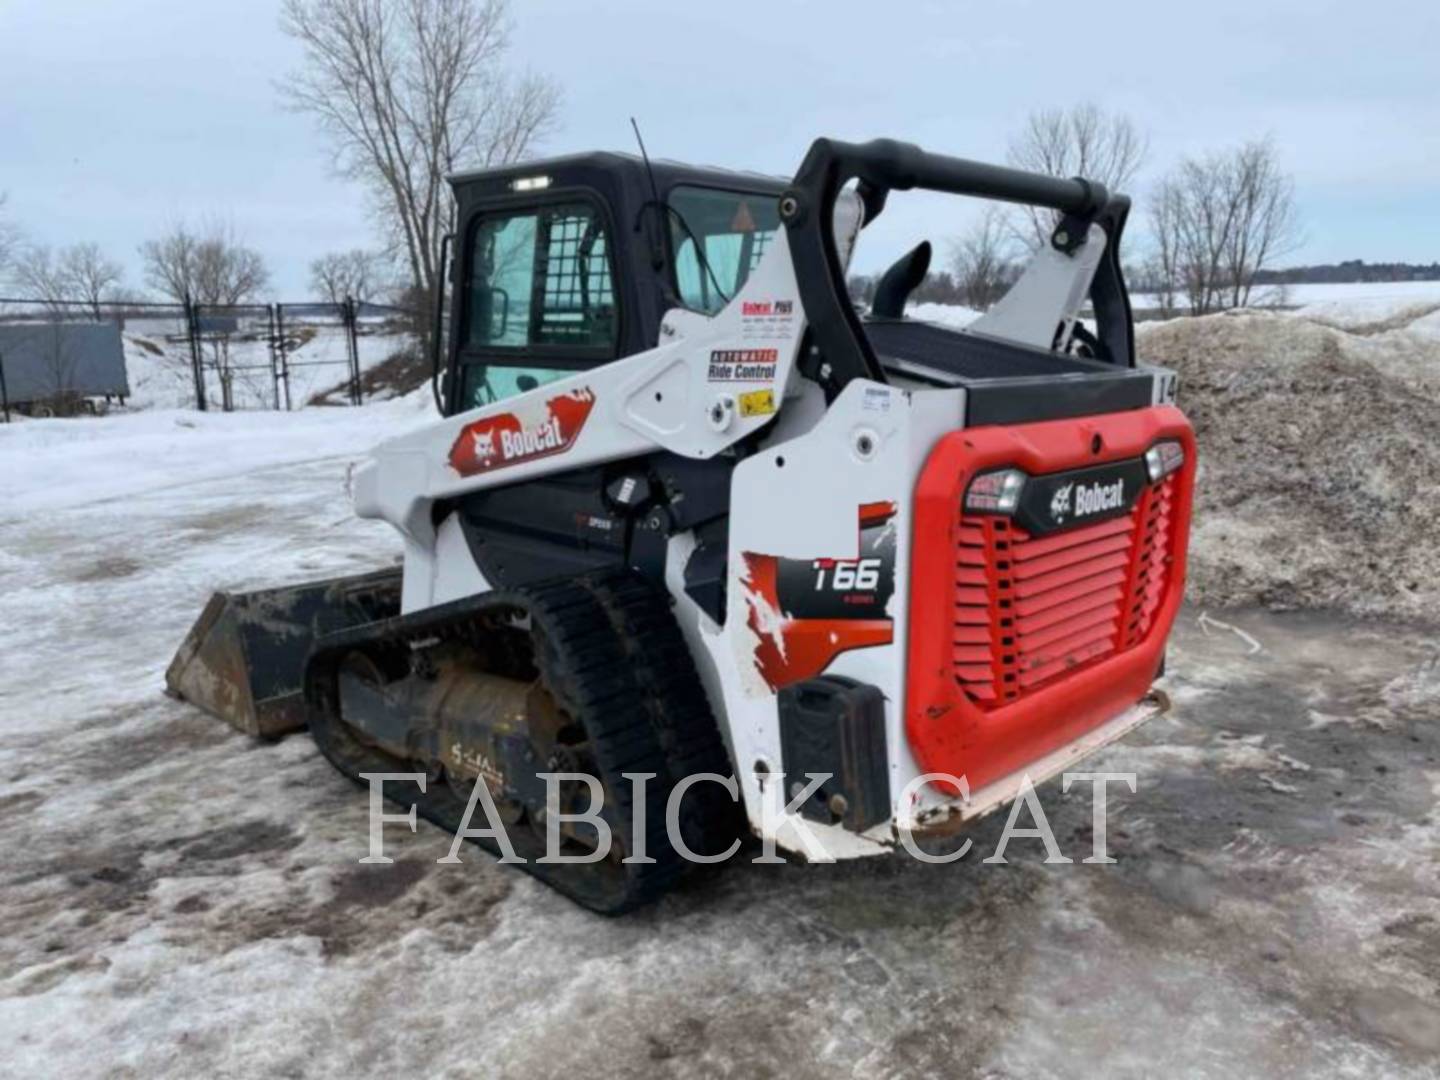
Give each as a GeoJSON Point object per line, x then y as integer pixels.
{"type": "Point", "coordinates": [1060, 502]}
{"type": "Point", "coordinates": [483, 445]}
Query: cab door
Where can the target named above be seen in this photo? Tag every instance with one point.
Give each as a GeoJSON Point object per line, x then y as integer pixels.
{"type": "Point", "coordinates": [537, 297]}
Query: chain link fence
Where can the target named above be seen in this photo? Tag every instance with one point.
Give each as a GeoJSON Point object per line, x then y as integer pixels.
{"type": "Point", "coordinates": [66, 357]}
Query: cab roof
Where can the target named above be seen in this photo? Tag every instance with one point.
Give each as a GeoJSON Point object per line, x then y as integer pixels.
{"type": "Point", "coordinates": [629, 167]}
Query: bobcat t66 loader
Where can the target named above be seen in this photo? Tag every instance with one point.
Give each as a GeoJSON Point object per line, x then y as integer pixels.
{"type": "Point", "coordinates": [688, 512]}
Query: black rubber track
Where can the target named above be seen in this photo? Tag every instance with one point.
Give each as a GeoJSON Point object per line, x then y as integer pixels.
{"type": "Point", "coordinates": [589, 665]}
{"type": "Point", "coordinates": [679, 708]}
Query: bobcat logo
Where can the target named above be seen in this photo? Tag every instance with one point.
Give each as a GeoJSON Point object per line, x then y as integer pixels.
{"type": "Point", "coordinates": [483, 445]}
{"type": "Point", "coordinates": [1060, 502]}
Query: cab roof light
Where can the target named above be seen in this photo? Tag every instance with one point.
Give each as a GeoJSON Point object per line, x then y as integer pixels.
{"type": "Point", "coordinates": [530, 183]}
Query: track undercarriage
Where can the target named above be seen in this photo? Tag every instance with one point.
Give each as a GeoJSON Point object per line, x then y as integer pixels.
{"type": "Point", "coordinates": [587, 677]}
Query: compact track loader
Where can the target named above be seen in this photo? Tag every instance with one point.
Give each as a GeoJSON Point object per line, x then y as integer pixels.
{"type": "Point", "coordinates": [689, 512]}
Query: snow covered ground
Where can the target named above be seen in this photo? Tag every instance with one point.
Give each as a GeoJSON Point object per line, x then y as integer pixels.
{"type": "Point", "coordinates": [181, 901]}
{"type": "Point", "coordinates": [1357, 295]}
{"type": "Point", "coordinates": [1342, 305]}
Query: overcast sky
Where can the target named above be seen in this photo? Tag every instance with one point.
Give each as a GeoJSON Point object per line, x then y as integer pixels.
{"type": "Point", "coordinates": [118, 117]}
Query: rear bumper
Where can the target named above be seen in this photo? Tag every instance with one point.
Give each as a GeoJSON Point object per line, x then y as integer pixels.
{"type": "Point", "coordinates": [977, 706]}
{"type": "Point", "coordinates": [947, 819]}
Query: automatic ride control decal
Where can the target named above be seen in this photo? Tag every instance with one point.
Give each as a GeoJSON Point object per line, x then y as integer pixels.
{"type": "Point", "coordinates": [495, 442]}
{"type": "Point", "coordinates": [805, 612]}
{"type": "Point", "coordinates": [742, 365]}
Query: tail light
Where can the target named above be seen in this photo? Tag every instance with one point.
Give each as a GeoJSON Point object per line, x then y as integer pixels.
{"type": "Point", "coordinates": [1164, 458]}
{"type": "Point", "coordinates": [995, 492]}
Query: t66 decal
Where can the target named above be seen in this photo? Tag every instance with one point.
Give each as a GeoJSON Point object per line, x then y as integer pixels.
{"type": "Point", "coordinates": [805, 612]}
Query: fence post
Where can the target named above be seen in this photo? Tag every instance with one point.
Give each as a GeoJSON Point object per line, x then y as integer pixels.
{"type": "Point", "coordinates": [284, 352]}
{"type": "Point", "coordinates": [192, 331]}
{"type": "Point", "coordinates": [353, 344]}
{"type": "Point", "coordinates": [4, 391]}
{"type": "Point", "coordinates": [274, 360]}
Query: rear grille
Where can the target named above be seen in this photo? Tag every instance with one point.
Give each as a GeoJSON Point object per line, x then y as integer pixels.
{"type": "Point", "coordinates": [1029, 610]}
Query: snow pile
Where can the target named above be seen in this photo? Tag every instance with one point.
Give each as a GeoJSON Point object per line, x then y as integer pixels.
{"type": "Point", "coordinates": [1319, 461]}
{"type": "Point", "coordinates": [951, 315]}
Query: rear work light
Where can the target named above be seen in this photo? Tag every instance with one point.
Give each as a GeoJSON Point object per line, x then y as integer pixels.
{"type": "Point", "coordinates": [1164, 458]}
{"type": "Point", "coordinates": [995, 492]}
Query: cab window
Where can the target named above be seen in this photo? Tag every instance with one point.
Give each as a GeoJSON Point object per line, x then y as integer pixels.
{"type": "Point", "coordinates": [718, 238]}
{"type": "Point", "coordinates": [485, 384]}
{"type": "Point", "coordinates": [540, 299]}
{"type": "Point", "coordinates": [541, 277]}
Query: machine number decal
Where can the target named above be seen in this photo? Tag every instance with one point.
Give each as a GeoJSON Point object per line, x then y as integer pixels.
{"type": "Point", "coordinates": [805, 612]}
{"type": "Point", "coordinates": [859, 578]}
{"type": "Point", "coordinates": [494, 442]}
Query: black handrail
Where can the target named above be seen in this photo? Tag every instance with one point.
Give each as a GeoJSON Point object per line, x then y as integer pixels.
{"type": "Point", "coordinates": [883, 165]}
{"type": "Point", "coordinates": [437, 334]}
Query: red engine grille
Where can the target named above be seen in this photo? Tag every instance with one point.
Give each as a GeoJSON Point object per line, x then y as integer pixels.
{"type": "Point", "coordinates": [1028, 610]}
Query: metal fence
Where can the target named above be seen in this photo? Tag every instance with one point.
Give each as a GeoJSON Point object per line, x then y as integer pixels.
{"type": "Point", "coordinates": [207, 356]}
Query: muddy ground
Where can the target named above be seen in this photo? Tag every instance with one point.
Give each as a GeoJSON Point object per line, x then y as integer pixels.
{"type": "Point", "coordinates": [179, 901]}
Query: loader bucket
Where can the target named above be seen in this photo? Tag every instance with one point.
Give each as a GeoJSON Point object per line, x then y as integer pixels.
{"type": "Point", "coordinates": [244, 659]}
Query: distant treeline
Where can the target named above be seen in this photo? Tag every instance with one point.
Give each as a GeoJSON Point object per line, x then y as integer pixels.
{"type": "Point", "coordinates": [1348, 271]}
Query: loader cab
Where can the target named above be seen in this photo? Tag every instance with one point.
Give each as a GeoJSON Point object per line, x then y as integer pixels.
{"type": "Point", "coordinates": [565, 264]}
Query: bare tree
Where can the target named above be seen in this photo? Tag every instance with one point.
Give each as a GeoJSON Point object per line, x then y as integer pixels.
{"type": "Point", "coordinates": [1083, 140]}
{"type": "Point", "coordinates": [77, 273]}
{"type": "Point", "coordinates": [9, 237]}
{"type": "Point", "coordinates": [212, 268]}
{"type": "Point", "coordinates": [228, 272]}
{"type": "Point", "coordinates": [407, 90]}
{"type": "Point", "coordinates": [89, 276]}
{"type": "Point", "coordinates": [169, 263]}
{"type": "Point", "coordinates": [341, 274]}
{"type": "Point", "coordinates": [1218, 220]}
{"type": "Point", "coordinates": [37, 276]}
{"type": "Point", "coordinates": [981, 260]}
{"type": "Point", "coordinates": [1163, 272]}
{"type": "Point", "coordinates": [1266, 223]}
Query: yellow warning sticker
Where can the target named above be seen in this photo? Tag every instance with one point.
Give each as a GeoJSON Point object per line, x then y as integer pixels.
{"type": "Point", "coordinates": [757, 403]}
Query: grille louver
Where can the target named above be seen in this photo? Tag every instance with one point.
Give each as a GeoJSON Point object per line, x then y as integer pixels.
{"type": "Point", "coordinates": [1028, 610]}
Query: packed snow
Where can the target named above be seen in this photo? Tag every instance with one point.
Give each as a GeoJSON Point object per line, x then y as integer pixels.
{"type": "Point", "coordinates": [60, 464]}
{"type": "Point", "coordinates": [1356, 296]}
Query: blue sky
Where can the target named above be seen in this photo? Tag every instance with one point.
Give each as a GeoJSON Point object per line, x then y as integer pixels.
{"type": "Point", "coordinates": [120, 117]}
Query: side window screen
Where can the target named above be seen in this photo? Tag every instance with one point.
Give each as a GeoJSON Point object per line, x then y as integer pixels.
{"type": "Point", "coordinates": [718, 238]}
{"type": "Point", "coordinates": [540, 277]}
